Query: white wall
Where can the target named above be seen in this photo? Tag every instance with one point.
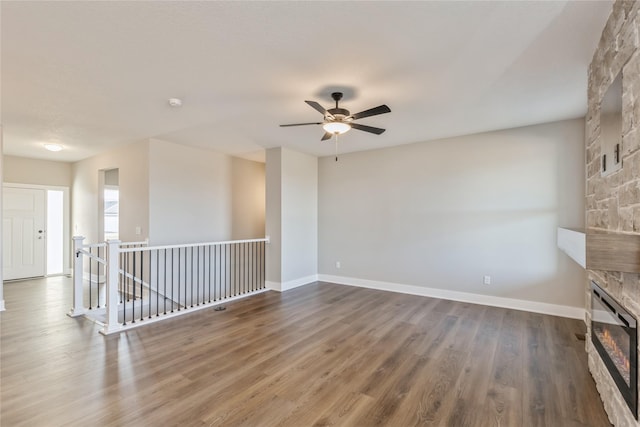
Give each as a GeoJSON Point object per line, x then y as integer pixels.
{"type": "Point", "coordinates": [443, 214]}
{"type": "Point", "coordinates": [292, 218]}
{"type": "Point", "coordinates": [21, 170]}
{"type": "Point", "coordinates": [132, 162]}
{"type": "Point", "coordinates": [198, 195]}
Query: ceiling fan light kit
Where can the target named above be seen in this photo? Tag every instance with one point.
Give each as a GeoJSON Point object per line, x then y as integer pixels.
{"type": "Point", "coordinates": [336, 127]}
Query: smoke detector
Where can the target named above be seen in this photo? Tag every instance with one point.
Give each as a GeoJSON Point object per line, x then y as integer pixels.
{"type": "Point", "coordinates": [175, 102]}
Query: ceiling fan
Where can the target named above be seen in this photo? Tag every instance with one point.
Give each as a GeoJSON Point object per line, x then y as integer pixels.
{"type": "Point", "coordinates": [339, 120]}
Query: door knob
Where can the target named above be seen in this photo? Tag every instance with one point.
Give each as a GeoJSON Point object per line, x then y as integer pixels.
{"type": "Point", "coordinates": [40, 231]}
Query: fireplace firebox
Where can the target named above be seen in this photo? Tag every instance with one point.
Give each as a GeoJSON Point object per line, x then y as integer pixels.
{"type": "Point", "coordinates": [614, 335]}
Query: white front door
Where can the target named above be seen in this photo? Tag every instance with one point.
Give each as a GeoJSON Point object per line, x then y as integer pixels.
{"type": "Point", "coordinates": [23, 233]}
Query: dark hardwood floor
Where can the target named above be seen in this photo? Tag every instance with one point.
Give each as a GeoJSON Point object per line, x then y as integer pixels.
{"type": "Point", "coordinates": [318, 355]}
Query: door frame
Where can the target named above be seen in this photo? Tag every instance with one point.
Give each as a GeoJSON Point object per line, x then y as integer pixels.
{"type": "Point", "coordinates": [66, 245]}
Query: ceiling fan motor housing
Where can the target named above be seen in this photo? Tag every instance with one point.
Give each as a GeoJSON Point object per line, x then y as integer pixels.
{"type": "Point", "coordinates": [339, 112]}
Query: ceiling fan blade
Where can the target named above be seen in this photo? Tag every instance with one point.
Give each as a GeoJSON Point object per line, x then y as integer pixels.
{"type": "Point", "coordinates": [370, 129]}
{"type": "Point", "coordinates": [300, 124]}
{"type": "Point", "coordinates": [326, 136]}
{"type": "Point", "coordinates": [319, 108]}
{"type": "Point", "coordinates": [380, 109]}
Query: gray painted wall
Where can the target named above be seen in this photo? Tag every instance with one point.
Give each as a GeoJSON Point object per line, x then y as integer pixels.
{"type": "Point", "coordinates": [175, 194]}
{"type": "Point", "coordinates": [443, 214]}
{"type": "Point", "coordinates": [198, 195]}
{"type": "Point", "coordinates": [273, 173]}
{"type": "Point", "coordinates": [2, 305]}
{"type": "Point", "coordinates": [132, 162]}
{"type": "Point", "coordinates": [299, 215]}
{"type": "Point", "coordinates": [292, 217]}
{"type": "Point", "coordinates": [247, 199]}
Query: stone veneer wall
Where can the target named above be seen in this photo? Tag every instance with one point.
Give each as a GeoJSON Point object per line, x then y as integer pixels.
{"type": "Point", "coordinates": [613, 201]}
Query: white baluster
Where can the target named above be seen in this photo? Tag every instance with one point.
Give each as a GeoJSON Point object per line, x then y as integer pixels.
{"type": "Point", "coordinates": [113, 267]}
{"type": "Point", "coordinates": [78, 273]}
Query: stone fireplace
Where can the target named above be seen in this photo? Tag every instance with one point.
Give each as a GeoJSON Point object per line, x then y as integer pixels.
{"type": "Point", "coordinates": [613, 200]}
{"type": "Point", "coordinates": [615, 338]}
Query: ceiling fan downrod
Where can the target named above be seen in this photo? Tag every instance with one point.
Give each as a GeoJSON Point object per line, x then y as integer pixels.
{"type": "Point", "coordinates": [337, 96]}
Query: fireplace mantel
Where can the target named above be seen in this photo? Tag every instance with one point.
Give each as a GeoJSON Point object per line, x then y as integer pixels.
{"type": "Point", "coordinates": [601, 250]}
{"type": "Point", "coordinates": [611, 251]}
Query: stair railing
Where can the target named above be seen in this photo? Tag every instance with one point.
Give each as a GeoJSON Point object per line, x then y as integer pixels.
{"type": "Point", "coordinates": [89, 275]}
{"type": "Point", "coordinates": [145, 284]}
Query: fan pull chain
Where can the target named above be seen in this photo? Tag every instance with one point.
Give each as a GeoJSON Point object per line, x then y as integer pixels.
{"type": "Point", "coordinates": [336, 147]}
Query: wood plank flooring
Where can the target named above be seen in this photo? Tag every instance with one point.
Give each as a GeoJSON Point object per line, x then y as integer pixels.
{"type": "Point", "coordinates": [319, 355]}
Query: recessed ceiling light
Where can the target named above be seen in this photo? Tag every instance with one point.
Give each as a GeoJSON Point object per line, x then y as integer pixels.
{"type": "Point", "coordinates": [53, 147]}
{"type": "Point", "coordinates": [175, 102]}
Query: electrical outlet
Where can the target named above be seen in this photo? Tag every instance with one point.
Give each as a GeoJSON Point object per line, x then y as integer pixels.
{"type": "Point", "coordinates": [138, 230]}
{"type": "Point", "coordinates": [337, 264]}
{"type": "Point", "coordinates": [487, 280]}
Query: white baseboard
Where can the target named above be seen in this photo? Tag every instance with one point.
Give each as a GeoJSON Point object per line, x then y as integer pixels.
{"type": "Point", "coordinates": [285, 286]}
{"type": "Point", "coordinates": [272, 286]}
{"type": "Point", "coordinates": [516, 304]}
{"type": "Point", "coordinates": [2, 307]}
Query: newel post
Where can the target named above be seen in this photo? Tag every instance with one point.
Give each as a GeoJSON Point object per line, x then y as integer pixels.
{"type": "Point", "coordinates": [113, 269]}
{"type": "Point", "coordinates": [78, 272]}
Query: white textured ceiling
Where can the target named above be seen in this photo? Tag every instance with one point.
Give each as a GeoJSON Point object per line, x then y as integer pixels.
{"type": "Point", "coordinates": [94, 75]}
